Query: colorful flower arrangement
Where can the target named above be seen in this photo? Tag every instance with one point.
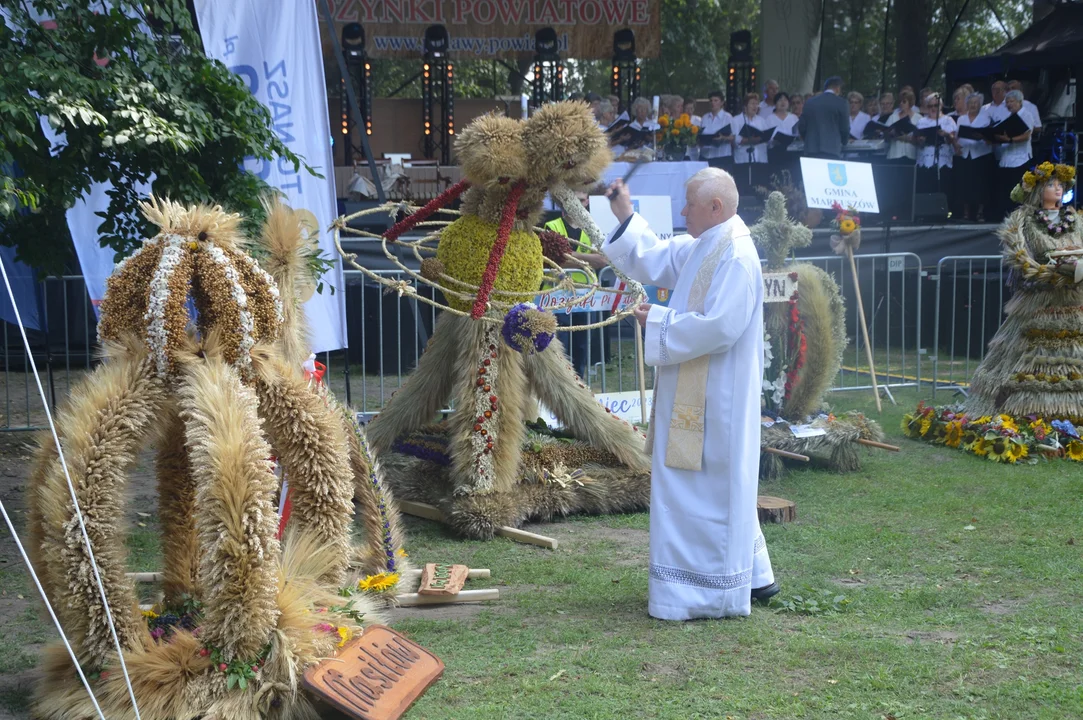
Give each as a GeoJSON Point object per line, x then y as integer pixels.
{"type": "Point", "coordinates": [848, 224]}
{"type": "Point", "coordinates": [1000, 438]}
{"type": "Point", "coordinates": [676, 134]}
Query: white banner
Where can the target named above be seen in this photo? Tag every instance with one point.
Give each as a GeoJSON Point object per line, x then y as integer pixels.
{"type": "Point", "coordinates": [275, 48]}
{"type": "Point", "coordinates": [624, 405]}
{"type": "Point", "coordinates": [849, 184]}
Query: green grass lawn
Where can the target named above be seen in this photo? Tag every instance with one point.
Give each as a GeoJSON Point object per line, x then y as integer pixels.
{"type": "Point", "coordinates": [961, 584]}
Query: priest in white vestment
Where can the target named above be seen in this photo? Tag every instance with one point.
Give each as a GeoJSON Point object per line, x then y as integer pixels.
{"type": "Point", "coordinates": [708, 558]}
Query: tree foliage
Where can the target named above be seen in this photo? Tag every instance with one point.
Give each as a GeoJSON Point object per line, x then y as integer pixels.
{"type": "Point", "coordinates": [130, 90]}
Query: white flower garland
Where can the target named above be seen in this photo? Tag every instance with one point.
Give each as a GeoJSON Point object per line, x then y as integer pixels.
{"type": "Point", "coordinates": [776, 389]}
{"type": "Point", "coordinates": [159, 296]}
{"type": "Point", "coordinates": [244, 359]}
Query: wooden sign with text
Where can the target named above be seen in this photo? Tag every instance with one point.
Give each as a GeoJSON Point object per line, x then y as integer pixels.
{"type": "Point", "coordinates": [377, 676]}
{"type": "Point", "coordinates": [779, 287]}
{"type": "Point", "coordinates": [438, 579]}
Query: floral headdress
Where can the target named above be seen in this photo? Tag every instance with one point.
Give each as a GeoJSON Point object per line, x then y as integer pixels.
{"type": "Point", "coordinates": [1034, 180]}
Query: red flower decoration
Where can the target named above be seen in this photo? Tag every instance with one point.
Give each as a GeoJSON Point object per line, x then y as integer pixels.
{"type": "Point", "coordinates": [488, 279]}
{"type": "Point", "coordinates": [425, 212]}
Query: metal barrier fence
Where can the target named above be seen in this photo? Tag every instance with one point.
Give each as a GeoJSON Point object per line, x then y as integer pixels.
{"type": "Point", "coordinates": [387, 334]}
{"type": "Point", "coordinates": [970, 297]}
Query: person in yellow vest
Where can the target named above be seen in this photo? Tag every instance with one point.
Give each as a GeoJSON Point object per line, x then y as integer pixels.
{"type": "Point", "coordinates": [583, 347]}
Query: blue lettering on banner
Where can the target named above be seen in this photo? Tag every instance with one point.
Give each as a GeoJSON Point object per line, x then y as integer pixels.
{"type": "Point", "coordinates": [277, 102]}
{"type": "Point", "coordinates": [231, 46]}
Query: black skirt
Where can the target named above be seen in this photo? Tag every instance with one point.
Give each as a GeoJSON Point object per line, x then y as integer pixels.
{"type": "Point", "coordinates": [973, 178]}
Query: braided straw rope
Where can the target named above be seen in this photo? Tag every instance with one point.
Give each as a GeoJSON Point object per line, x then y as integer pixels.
{"type": "Point", "coordinates": [460, 290]}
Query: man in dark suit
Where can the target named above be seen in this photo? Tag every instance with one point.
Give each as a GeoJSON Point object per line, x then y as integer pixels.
{"type": "Point", "coordinates": [825, 123]}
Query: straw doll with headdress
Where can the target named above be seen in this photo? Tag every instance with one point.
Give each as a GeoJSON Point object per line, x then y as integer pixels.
{"type": "Point", "coordinates": [1035, 362]}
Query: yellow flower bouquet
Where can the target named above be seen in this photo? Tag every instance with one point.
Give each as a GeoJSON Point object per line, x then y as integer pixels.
{"type": "Point", "coordinates": [676, 136]}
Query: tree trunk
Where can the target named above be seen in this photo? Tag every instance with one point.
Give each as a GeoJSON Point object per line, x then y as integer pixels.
{"type": "Point", "coordinates": [911, 27]}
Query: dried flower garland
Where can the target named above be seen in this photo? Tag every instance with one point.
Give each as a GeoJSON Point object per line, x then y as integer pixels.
{"type": "Point", "coordinates": [1064, 221]}
{"type": "Point", "coordinates": [388, 539]}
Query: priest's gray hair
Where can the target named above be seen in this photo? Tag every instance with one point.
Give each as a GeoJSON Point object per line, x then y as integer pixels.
{"type": "Point", "coordinates": [711, 183]}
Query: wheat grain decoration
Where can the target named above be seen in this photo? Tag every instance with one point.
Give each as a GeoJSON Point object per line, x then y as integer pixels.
{"type": "Point", "coordinates": [216, 396]}
{"type": "Point", "coordinates": [492, 350]}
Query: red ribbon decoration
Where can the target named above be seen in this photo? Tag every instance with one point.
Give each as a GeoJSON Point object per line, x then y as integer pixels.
{"type": "Point", "coordinates": [438, 202]}
{"type": "Point", "coordinates": [507, 218]}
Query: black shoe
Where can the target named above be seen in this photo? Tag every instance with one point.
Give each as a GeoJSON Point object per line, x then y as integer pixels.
{"type": "Point", "coordinates": [764, 594]}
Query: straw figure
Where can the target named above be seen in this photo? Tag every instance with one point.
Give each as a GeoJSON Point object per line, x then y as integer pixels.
{"type": "Point", "coordinates": [492, 350]}
{"type": "Point", "coordinates": [1034, 367]}
{"type": "Point", "coordinates": [806, 337]}
{"type": "Point", "coordinates": [243, 611]}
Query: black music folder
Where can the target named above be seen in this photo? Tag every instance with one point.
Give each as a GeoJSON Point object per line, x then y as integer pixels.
{"type": "Point", "coordinates": [714, 138]}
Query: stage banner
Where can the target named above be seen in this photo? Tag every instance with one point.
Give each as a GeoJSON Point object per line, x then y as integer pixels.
{"type": "Point", "coordinates": [790, 43]}
{"type": "Point", "coordinates": [849, 184]}
{"type": "Point", "coordinates": [277, 52]}
{"type": "Point", "coordinates": [502, 28]}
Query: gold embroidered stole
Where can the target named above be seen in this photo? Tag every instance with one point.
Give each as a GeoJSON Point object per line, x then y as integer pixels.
{"type": "Point", "coordinates": [684, 447]}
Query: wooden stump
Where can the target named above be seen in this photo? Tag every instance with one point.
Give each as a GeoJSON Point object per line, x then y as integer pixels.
{"type": "Point", "coordinates": [775, 509]}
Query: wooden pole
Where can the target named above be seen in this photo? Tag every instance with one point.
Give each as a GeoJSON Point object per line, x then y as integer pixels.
{"type": "Point", "coordinates": [429, 512]}
{"type": "Point", "coordinates": [785, 454]}
{"type": "Point", "coordinates": [864, 328]}
{"type": "Point", "coordinates": [642, 371]}
{"type": "Point", "coordinates": [874, 444]}
{"type": "Point", "coordinates": [463, 596]}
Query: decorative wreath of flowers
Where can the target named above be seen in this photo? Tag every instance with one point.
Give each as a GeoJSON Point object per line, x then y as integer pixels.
{"type": "Point", "coordinates": [999, 438]}
{"type": "Point", "coordinates": [1039, 176]}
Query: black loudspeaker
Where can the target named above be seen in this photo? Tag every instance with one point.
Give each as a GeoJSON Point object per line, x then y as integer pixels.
{"type": "Point", "coordinates": [931, 207]}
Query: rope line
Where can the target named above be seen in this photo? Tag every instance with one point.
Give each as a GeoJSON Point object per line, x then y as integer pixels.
{"type": "Point", "coordinates": [74, 497]}
{"type": "Point", "coordinates": [49, 607]}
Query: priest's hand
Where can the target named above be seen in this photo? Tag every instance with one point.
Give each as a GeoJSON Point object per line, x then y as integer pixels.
{"type": "Point", "coordinates": [620, 202]}
{"type": "Point", "coordinates": [641, 313]}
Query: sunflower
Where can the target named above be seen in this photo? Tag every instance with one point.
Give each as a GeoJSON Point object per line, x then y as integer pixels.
{"type": "Point", "coordinates": [1017, 451]}
{"type": "Point", "coordinates": [1074, 450]}
{"type": "Point", "coordinates": [1000, 450]}
{"type": "Point", "coordinates": [980, 447]}
{"type": "Point", "coordinates": [926, 423]}
{"type": "Point", "coordinates": [378, 583]}
{"type": "Point", "coordinates": [1008, 423]}
{"type": "Point", "coordinates": [847, 226]}
{"type": "Point", "coordinates": [953, 434]}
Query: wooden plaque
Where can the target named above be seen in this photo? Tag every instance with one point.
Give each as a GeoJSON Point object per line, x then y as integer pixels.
{"type": "Point", "coordinates": [437, 579]}
{"type": "Point", "coordinates": [376, 676]}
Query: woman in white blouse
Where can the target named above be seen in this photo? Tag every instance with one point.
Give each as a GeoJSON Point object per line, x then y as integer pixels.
{"type": "Point", "coordinates": [747, 151]}
{"type": "Point", "coordinates": [973, 163]}
{"type": "Point", "coordinates": [901, 150]}
{"type": "Point", "coordinates": [781, 122]}
{"type": "Point", "coordinates": [858, 118]}
{"type": "Point", "coordinates": [934, 159]}
{"type": "Point", "coordinates": [1013, 158]}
